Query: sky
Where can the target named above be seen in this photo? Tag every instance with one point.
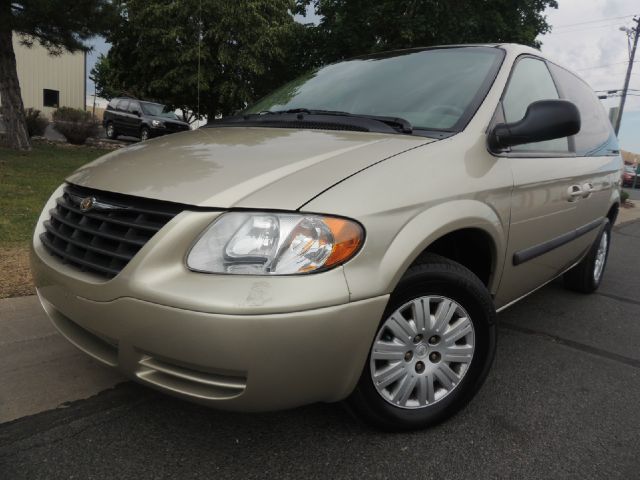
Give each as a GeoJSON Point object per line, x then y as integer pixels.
{"type": "Point", "coordinates": [597, 51]}
{"type": "Point", "coordinates": [585, 38]}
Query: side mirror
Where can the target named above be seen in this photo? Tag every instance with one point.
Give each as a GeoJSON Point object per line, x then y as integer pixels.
{"type": "Point", "coordinates": [136, 113]}
{"type": "Point", "coordinates": [544, 120]}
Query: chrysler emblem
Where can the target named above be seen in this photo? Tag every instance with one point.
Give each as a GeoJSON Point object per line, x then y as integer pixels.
{"type": "Point", "coordinates": [87, 203]}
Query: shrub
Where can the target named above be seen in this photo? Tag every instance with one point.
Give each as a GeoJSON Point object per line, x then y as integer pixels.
{"type": "Point", "coordinates": [624, 196]}
{"type": "Point", "coordinates": [36, 125]}
{"type": "Point", "coordinates": [76, 125]}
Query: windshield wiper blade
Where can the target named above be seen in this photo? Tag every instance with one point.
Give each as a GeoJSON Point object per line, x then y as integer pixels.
{"type": "Point", "coordinates": [396, 122]}
{"type": "Point", "coordinates": [404, 125]}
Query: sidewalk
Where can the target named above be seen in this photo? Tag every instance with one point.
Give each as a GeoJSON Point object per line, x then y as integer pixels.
{"type": "Point", "coordinates": [40, 370]}
{"type": "Point", "coordinates": [628, 214]}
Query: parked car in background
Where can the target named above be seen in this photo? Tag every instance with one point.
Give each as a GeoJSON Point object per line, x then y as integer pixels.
{"type": "Point", "coordinates": [629, 176]}
{"type": "Point", "coordinates": [137, 118]}
{"type": "Point", "coordinates": [350, 236]}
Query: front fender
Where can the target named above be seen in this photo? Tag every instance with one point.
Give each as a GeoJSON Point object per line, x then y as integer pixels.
{"type": "Point", "coordinates": [367, 277]}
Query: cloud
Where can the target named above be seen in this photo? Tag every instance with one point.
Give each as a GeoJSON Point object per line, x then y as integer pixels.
{"type": "Point", "coordinates": [597, 50]}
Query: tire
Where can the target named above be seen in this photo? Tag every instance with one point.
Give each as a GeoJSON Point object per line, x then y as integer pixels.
{"type": "Point", "coordinates": [110, 131]}
{"type": "Point", "coordinates": [441, 280]}
{"type": "Point", "coordinates": [587, 275]}
{"type": "Point", "coordinates": [144, 134]}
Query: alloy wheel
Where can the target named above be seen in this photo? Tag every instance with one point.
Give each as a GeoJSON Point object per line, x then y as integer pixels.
{"type": "Point", "coordinates": [601, 257]}
{"type": "Point", "coordinates": [422, 352]}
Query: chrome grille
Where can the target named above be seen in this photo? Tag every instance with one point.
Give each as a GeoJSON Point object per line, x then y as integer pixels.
{"type": "Point", "coordinates": [104, 238]}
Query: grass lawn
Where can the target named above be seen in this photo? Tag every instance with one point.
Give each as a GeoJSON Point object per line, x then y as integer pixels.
{"type": "Point", "coordinates": [26, 182]}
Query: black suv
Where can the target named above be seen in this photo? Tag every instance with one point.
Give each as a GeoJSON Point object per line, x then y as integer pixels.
{"type": "Point", "coordinates": [135, 118]}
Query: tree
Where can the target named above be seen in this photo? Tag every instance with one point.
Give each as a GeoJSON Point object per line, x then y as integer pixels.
{"type": "Point", "coordinates": [355, 27]}
{"type": "Point", "coordinates": [247, 48]}
{"type": "Point", "coordinates": [57, 25]}
{"type": "Point", "coordinates": [205, 56]}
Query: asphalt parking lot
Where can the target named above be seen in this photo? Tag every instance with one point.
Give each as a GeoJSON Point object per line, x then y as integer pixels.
{"type": "Point", "coordinates": [561, 402]}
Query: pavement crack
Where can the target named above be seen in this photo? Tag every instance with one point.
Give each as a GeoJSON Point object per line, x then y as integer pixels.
{"type": "Point", "coordinates": [618, 297]}
{"type": "Point", "coordinates": [624, 234]}
{"type": "Point", "coordinates": [632, 362]}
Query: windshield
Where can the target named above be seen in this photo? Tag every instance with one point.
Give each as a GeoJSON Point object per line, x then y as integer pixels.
{"type": "Point", "coordinates": [436, 89]}
{"type": "Point", "coordinates": [157, 110]}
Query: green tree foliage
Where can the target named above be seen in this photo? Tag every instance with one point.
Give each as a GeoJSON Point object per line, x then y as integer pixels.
{"type": "Point", "coordinates": [249, 47]}
{"type": "Point", "coordinates": [58, 25]}
{"type": "Point", "coordinates": [242, 47]}
{"type": "Point", "coordinates": [355, 27]}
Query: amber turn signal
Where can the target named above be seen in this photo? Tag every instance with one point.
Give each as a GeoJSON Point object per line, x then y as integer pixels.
{"type": "Point", "coordinates": [348, 237]}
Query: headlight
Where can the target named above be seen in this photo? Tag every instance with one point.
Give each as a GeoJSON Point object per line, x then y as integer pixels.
{"type": "Point", "coordinates": [157, 123]}
{"type": "Point", "coordinates": [263, 243]}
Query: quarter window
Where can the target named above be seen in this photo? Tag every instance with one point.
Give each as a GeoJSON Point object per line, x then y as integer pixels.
{"type": "Point", "coordinates": [596, 135]}
{"type": "Point", "coordinates": [531, 81]}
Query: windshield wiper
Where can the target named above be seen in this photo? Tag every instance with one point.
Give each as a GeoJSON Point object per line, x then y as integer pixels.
{"type": "Point", "coordinates": [396, 122]}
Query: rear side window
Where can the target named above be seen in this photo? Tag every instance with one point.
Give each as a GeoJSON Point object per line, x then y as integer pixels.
{"type": "Point", "coordinates": [596, 136]}
{"type": "Point", "coordinates": [112, 104]}
{"type": "Point", "coordinates": [531, 81]}
{"type": "Point", "coordinates": [123, 105]}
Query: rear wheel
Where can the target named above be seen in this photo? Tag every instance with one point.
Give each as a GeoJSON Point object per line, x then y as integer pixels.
{"type": "Point", "coordinates": [110, 131]}
{"type": "Point", "coordinates": [433, 349]}
{"type": "Point", "coordinates": [587, 275]}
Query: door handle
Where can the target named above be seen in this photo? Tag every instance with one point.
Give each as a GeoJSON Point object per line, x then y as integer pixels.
{"type": "Point", "coordinates": [587, 189]}
{"type": "Point", "coordinates": [574, 192]}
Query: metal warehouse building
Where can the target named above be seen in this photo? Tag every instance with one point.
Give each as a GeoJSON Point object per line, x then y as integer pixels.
{"type": "Point", "coordinates": [48, 82]}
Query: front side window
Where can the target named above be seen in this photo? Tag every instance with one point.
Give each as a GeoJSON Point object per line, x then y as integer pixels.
{"type": "Point", "coordinates": [134, 107]}
{"type": "Point", "coordinates": [434, 89]}
{"type": "Point", "coordinates": [530, 81]}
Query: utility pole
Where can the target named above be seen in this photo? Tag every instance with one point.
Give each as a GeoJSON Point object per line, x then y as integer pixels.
{"type": "Point", "coordinates": [623, 98]}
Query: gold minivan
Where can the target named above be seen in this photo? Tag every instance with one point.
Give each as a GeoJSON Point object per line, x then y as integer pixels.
{"type": "Point", "coordinates": [350, 236]}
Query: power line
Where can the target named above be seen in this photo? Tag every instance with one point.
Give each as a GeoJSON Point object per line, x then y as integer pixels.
{"type": "Point", "coordinates": [592, 21]}
{"type": "Point", "coordinates": [617, 90]}
{"type": "Point", "coordinates": [612, 25]}
{"type": "Point", "coordinates": [604, 66]}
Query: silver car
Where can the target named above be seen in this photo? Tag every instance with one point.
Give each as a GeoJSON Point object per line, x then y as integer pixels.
{"type": "Point", "coordinates": [350, 236]}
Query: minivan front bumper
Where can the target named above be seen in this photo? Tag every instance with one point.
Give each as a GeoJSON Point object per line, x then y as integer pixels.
{"type": "Point", "coordinates": [230, 341]}
{"type": "Point", "coordinates": [236, 362]}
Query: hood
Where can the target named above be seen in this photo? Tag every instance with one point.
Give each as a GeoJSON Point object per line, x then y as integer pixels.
{"type": "Point", "coordinates": [166, 119]}
{"type": "Point", "coordinates": [244, 167]}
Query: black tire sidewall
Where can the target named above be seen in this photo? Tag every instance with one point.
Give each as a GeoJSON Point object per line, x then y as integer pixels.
{"type": "Point", "coordinates": [477, 303]}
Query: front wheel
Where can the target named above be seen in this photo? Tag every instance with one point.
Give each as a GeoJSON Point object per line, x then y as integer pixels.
{"type": "Point", "coordinates": [433, 349]}
{"type": "Point", "coordinates": [110, 131]}
{"type": "Point", "coordinates": [144, 134]}
{"type": "Point", "coordinates": [587, 275]}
